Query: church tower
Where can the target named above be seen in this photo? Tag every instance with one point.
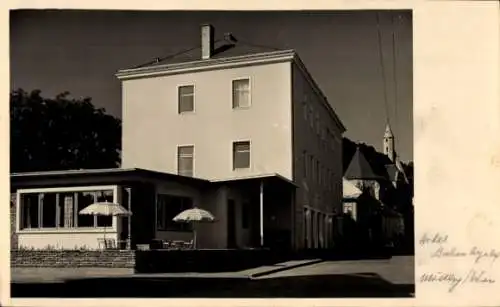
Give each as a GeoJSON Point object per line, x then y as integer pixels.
{"type": "Point", "coordinates": [389, 149]}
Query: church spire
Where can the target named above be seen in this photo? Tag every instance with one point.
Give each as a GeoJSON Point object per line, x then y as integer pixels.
{"type": "Point", "coordinates": [388, 131]}
{"type": "Point", "coordinates": [388, 145]}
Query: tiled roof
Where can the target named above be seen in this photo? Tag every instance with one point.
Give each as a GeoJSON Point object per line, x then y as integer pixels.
{"type": "Point", "coordinates": [359, 168]}
{"type": "Point", "coordinates": [222, 49]}
{"type": "Point", "coordinates": [392, 171]}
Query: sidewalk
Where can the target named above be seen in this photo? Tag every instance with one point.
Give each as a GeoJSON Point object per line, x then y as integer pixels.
{"type": "Point", "coordinates": [288, 265]}
{"type": "Point", "coordinates": [58, 275]}
{"type": "Point", "coordinates": [248, 274]}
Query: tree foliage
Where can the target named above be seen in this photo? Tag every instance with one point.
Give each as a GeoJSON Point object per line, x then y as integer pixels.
{"type": "Point", "coordinates": [61, 133]}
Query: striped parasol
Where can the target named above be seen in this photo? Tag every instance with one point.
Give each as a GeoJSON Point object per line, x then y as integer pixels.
{"type": "Point", "coordinates": [194, 215]}
{"type": "Point", "coordinates": [105, 209]}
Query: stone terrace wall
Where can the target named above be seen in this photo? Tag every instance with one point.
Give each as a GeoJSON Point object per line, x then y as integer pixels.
{"type": "Point", "coordinates": [13, 235]}
{"type": "Point", "coordinates": [72, 259]}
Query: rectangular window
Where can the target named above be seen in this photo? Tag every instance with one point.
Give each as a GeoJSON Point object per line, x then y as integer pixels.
{"type": "Point", "coordinates": [101, 197]}
{"type": "Point", "coordinates": [169, 206]}
{"type": "Point", "coordinates": [66, 213]}
{"type": "Point", "coordinates": [313, 168]}
{"type": "Point", "coordinates": [323, 138]}
{"type": "Point", "coordinates": [241, 154]}
{"type": "Point", "coordinates": [29, 210]}
{"type": "Point", "coordinates": [305, 162]}
{"type": "Point", "coordinates": [311, 117]}
{"type": "Point", "coordinates": [49, 208]}
{"type": "Point", "coordinates": [305, 109]}
{"type": "Point", "coordinates": [186, 98]}
{"type": "Point", "coordinates": [318, 125]}
{"type": "Point", "coordinates": [60, 209]}
{"type": "Point", "coordinates": [185, 160]}
{"type": "Point", "coordinates": [83, 200]}
{"type": "Point", "coordinates": [241, 93]}
{"type": "Point", "coordinates": [318, 171]}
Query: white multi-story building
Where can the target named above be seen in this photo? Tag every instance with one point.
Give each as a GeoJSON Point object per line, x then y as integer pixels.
{"type": "Point", "coordinates": [232, 110]}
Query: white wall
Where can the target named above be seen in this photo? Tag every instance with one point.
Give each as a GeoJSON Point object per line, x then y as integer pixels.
{"type": "Point", "coordinates": [63, 239]}
{"type": "Point", "coordinates": [152, 127]}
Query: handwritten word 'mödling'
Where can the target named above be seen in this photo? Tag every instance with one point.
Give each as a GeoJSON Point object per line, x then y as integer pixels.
{"type": "Point", "coordinates": [454, 280]}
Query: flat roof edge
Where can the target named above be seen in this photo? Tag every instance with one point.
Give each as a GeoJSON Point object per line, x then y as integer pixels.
{"type": "Point", "coordinates": [113, 171]}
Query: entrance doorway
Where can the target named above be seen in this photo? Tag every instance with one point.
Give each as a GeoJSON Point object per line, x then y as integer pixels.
{"type": "Point", "coordinates": [231, 224]}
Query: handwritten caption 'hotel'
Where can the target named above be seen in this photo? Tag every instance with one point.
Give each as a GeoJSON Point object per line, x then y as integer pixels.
{"type": "Point", "coordinates": [479, 259]}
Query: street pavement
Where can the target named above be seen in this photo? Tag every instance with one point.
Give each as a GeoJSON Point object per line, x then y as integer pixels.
{"type": "Point", "coordinates": [397, 270]}
{"type": "Point", "coordinates": [361, 278]}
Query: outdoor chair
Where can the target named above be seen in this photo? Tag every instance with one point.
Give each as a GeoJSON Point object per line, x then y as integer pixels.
{"type": "Point", "coordinates": [188, 244]}
{"type": "Point", "coordinates": [143, 247]}
{"type": "Point", "coordinates": [177, 244]}
{"type": "Point", "coordinates": [111, 244]}
{"type": "Point", "coordinates": [106, 243]}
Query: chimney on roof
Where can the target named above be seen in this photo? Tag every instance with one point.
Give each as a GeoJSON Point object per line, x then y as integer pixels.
{"type": "Point", "coordinates": [207, 41]}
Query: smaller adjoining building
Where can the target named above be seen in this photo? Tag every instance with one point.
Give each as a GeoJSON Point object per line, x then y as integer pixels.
{"type": "Point", "coordinates": [45, 208]}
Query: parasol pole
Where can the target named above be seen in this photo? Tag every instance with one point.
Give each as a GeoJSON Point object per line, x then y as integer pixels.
{"type": "Point", "coordinates": [194, 235]}
{"type": "Point", "coordinates": [105, 243]}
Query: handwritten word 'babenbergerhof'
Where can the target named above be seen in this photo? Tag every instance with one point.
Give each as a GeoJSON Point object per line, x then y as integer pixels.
{"type": "Point", "coordinates": [476, 253]}
{"type": "Point", "coordinates": [455, 280]}
{"type": "Point", "coordinates": [440, 242]}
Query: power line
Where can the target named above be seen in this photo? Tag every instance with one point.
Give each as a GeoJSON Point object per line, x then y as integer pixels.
{"type": "Point", "coordinates": [382, 66]}
{"type": "Point", "coordinates": [394, 74]}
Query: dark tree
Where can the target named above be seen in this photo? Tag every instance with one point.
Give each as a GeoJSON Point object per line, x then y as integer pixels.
{"type": "Point", "coordinates": [61, 133]}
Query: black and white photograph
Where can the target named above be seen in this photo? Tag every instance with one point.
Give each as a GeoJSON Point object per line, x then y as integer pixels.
{"type": "Point", "coordinates": [211, 154]}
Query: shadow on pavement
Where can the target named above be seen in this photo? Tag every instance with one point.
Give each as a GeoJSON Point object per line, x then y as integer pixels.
{"type": "Point", "coordinates": [324, 286]}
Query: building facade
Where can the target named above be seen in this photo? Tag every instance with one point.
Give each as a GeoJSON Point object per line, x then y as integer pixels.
{"type": "Point", "coordinates": [238, 113]}
{"type": "Point", "coordinates": [248, 122]}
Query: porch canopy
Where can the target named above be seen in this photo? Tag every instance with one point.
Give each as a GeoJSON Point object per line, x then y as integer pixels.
{"type": "Point", "coordinates": [275, 196]}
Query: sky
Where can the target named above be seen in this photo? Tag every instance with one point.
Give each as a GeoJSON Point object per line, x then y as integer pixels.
{"type": "Point", "coordinates": [80, 52]}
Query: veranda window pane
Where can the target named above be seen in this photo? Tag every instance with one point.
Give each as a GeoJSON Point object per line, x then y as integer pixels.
{"type": "Point", "coordinates": [104, 196]}
{"type": "Point", "coordinates": [29, 210]}
{"type": "Point", "coordinates": [49, 210]}
{"type": "Point", "coordinates": [85, 199]}
{"type": "Point", "coordinates": [66, 206]}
